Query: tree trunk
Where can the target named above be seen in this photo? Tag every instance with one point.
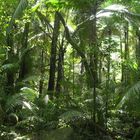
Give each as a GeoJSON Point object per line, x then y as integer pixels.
{"type": "Point", "coordinates": [100, 69]}
{"type": "Point", "coordinates": [78, 49]}
{"type": "Point", "coordinates": [10, 74]}
{"type": "Point", "coordinates": [122, 60]}
{"type": "Point", "coordinates": [138, 51]}
{"type": "Point", "coordinates": [41, 82]}
{"type": "Point", "coordinates": [138, 48]}
{"type": "Point", "coordinates": [60, 69]}
{"type": "Point", "coordinates": [51, 83]}
{"type": "Point", "coordinates": [126, 55]}
{"type": "Point", "coordinates": [24, 69]}
{"type": "Point", "coordinates": [94, 58]}
{"type": "Point", "coordinates": [108, 76]}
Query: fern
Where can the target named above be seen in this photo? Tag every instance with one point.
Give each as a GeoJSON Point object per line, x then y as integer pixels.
{"type": "Point", "coordinates": [131, 99]}
{"type": "Point", "coordinates": [29, 93]}
{"type": "Point", "coordinates": [117, 8]}
{"type": "Point", "coordinates": [70, 115]}
{"type": "Point", "coordinates": [119, 11]}
{"type": "Point", "coordinates": [18, 12]}
{"type": "Point", "coordinates": [20, 8]}
{"type": "Point", "coordinates": [36, 6]}
{"type": "Point", "coordinates": [11, 67]}
{"type": "Point", "coordinates": [12, 102]}
{"type": "Point", "coordinates": [25, 99]}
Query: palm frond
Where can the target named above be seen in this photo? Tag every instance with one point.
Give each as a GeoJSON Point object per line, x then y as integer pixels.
{"type": "Point", "coordinates": [36, 6]}
{"type": "Point", "coordinates": [29, 93]}
{"type": "Point", "coordinates": [20, 8]}
{"type": "Point", "coordinates": [13, 101]}
{"type": "Point", "coordinates": [10, 67]}
{"type": "Point", "coordinates": [131, 99]}
{"type": "Point", "coordinates": [70, 115]}
{"type": "Point", "coordinates": [18, 12]}
{"type": "Point", "coordinates": [119, 11]}
{"type": "Point", "coordinates": [25, 99]}
{"type": "Point", "coordinates": [116, 8]}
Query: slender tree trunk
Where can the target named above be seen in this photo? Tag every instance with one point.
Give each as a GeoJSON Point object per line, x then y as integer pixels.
{"type": "Point", "coordinates": [126, 54]}
{"type": "Point", "coordinates": [24, 69]}
{"type": "Point", "coordinates": [41, 82]}
{"type": "Point", "coordinates": [138, 48]}
{"type": "Point", "coordinates": [51, 83]}
{"type": "Point", "coordinates": [82, 45]}
{"type": "Point", "coordinates": [122, 60]}
{"type": "Point", "coordinates": [94, 58]}
{"type": "Point", "coordinates": [78, 49]}
{"type": "Point", "coordinates": [60, 69]}
{"type": "Point", "coordinates": [10, 75]}
{"type": "Point", "coordinates": [100, 69]}
{"type": "Point", "coordinates": [108, 75]}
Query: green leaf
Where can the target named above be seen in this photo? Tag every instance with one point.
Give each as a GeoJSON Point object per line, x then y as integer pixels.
{"type": "Point", "coordinates": [29, 93]}
{"type": "Point", "coordinates": [36, 6]}
{"type": "Point", "coordinates": [24, 99]}
{"type": "Point", "coordinates": [18, 12]}
{"type": "Point", "coordinates": [11, 67]}
{"type": "Point", "coordinates": [20, 8]}
{"type": "Point", "coordinates": [131, 99]}
{"type": "Point", "coordinates": [69, 115]}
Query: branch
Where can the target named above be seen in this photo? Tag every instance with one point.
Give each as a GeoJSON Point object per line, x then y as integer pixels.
{"type": "Point", "coordinates": [77, 48]}
{"type": "Point", "coordinates": [43, 18]}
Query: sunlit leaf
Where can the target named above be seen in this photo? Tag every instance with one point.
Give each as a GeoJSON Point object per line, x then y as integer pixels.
{"type": "Point", "coordinates": [29, 93]}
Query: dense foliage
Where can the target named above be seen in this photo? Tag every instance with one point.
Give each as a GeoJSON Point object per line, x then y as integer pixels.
{"type": "Point", "coordinates": [70, 70]}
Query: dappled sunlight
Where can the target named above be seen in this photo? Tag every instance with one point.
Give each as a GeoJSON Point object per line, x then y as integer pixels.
{"type": "Point", "coordinates": [69, 70]}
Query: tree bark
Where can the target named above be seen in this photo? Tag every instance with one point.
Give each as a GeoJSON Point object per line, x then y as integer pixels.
{"type": "Point", "coordinates": [138, 48]}
{"type": "Point", "coordinates": [78, 49]}
{"type": "Point", "coordinates": [51, 83]}
{"type": "Point", "coordinates": [126, 54]}
{"type": "Point", "coordinates": [41, 82]}
{"type": "Point", "coordinates": [60, 69]}
{"type": "Point", "coordinates": [10, 75]}
{"type": "Point", "coordinates": [24, 69]}
{"type": "Point", "coordinates": [108, 76]}
{"type": "Point", "coordinates": [94, 58]}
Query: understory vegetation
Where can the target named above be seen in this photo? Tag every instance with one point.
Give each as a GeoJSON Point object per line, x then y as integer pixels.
{"type": "Point", "coordinates": [69, 70]}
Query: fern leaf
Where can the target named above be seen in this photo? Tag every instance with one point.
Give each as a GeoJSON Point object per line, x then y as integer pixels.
{"type": "Point", "coordinates": [10, 67]}
{"type": "Point", "coordinates": [29, 93]}
{"type": "Point", "coordinates": [69, 115]}
{"type": "Point", "coordinates": [131, 99]}
{"type": "Point", "coordinates": [18, 12]}
{"type": "Point", "coordinates": [20, 8]}
{"type": "Point", "coordinates": [24, 99]}
{"type": "Point", "coordinates": [36, 6]}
